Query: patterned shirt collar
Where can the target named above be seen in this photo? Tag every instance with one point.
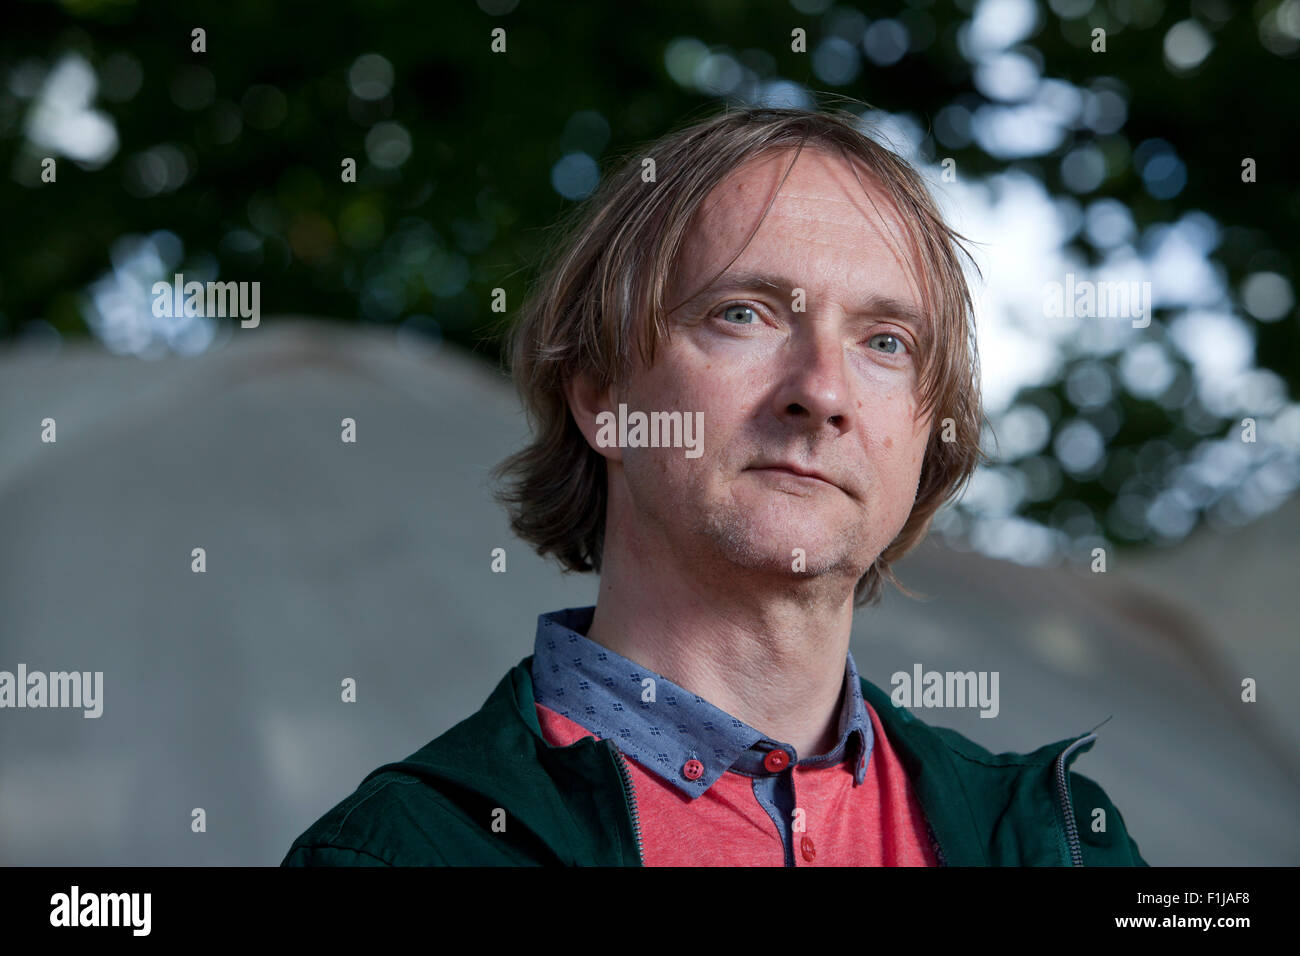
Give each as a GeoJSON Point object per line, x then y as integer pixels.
{"type": "Point", "coordinates": [662, 726]}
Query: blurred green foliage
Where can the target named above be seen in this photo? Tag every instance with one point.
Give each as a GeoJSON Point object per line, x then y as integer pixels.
{"type": "Point", "coordinates": [262, 119]}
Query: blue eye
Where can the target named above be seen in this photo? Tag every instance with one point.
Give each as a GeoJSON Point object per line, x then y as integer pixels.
{"type": "Point", "coordinates": [897, 341]}
{"type": "Point", "coordinates": [732, 308]}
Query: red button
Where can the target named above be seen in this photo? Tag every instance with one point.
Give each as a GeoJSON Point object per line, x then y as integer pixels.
{"type": "Point", "coordinates": [693, 770]}
{"type": "Point", "coordinates": [776, 760]}
{"type": "Point", "coordinates": [809, 851]}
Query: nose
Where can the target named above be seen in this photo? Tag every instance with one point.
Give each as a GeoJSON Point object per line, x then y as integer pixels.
{"type": "Point", "coordinates": [815, 389]}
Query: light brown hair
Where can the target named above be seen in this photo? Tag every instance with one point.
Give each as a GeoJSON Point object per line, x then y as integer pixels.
{"type": "Point", "coordinates": [600, 293]}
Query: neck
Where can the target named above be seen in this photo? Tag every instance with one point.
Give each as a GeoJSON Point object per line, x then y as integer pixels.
{"type": "Point", "coordinates": [766, 651]}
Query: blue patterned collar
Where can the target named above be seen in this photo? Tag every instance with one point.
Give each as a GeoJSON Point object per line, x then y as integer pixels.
{"type": "Point", "coordinates": [678, 735]}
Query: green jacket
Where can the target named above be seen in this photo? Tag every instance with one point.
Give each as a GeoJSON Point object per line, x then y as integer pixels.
{"type": "Point", "coordinates": [575, 805]}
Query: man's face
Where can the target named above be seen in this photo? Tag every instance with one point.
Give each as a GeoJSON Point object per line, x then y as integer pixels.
{"type": "Point", "coordinates": [830, 389]}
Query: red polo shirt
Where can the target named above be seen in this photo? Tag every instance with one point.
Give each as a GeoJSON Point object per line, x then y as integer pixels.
{"type": "Point", "coordinates": [879, 823]}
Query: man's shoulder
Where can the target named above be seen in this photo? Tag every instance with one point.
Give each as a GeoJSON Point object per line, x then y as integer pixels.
{"type": "Point", "coordinates": [424, 810]}
{"type": "Point", "coordinates": [400, 818]}
{"type": "Point", "coordinates": [373, 826]}
{"type": "Point", "coordinates": [1008, 788]}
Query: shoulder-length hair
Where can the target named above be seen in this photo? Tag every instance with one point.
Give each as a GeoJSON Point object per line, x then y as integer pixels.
{"type": "Point", "coordinates": [600, 294]}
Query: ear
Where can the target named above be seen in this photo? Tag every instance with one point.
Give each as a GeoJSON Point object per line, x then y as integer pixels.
{"type": "Point", "coordinates": [595, 412]}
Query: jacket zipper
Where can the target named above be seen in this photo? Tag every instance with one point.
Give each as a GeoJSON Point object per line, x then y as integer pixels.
{"type": "Point", "coordinates": [942, 857]}
{"type": "Point", "coordinates": [1067, 810]}
{"type": "Point", "coordinates": [630, 794]}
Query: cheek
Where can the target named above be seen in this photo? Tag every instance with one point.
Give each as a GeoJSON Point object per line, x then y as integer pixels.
{"type": "Point", "coordinates": [889, 416]}
{"type": "Point", "coordinates": [666, 483]}
{"type": "Point", "coordinates": [722, 392]}
{"type": "Point", "coordinates": [897, 444]}
{"type": "Point", "coordinates": [652, 477]}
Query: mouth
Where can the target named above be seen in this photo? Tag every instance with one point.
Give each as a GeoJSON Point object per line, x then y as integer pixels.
{"type": "Point", "coordinates": [796, 471]}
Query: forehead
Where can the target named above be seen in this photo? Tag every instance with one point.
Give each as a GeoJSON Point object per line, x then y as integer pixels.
{"type": "Point", "coordinates": [825, 224]}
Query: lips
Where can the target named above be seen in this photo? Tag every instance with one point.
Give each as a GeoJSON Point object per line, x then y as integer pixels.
{"type": "Point", "coordinates": [794, 469]}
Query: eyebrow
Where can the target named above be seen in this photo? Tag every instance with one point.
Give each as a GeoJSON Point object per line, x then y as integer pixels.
{"type": "Point", "coordinates": [741, 280]}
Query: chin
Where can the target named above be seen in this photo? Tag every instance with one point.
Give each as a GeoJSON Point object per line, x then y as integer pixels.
{"type": "Point", "coordinates": [771, 545]}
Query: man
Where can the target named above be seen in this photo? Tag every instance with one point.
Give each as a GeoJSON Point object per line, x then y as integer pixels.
{"type": "Point", "coordinates": [780, 280]}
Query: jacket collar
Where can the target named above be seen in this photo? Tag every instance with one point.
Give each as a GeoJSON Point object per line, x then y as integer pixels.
{"type": "Point", "coordinates": [941, 765]}
{"type": "Point", "coordinates": [500, 754]}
